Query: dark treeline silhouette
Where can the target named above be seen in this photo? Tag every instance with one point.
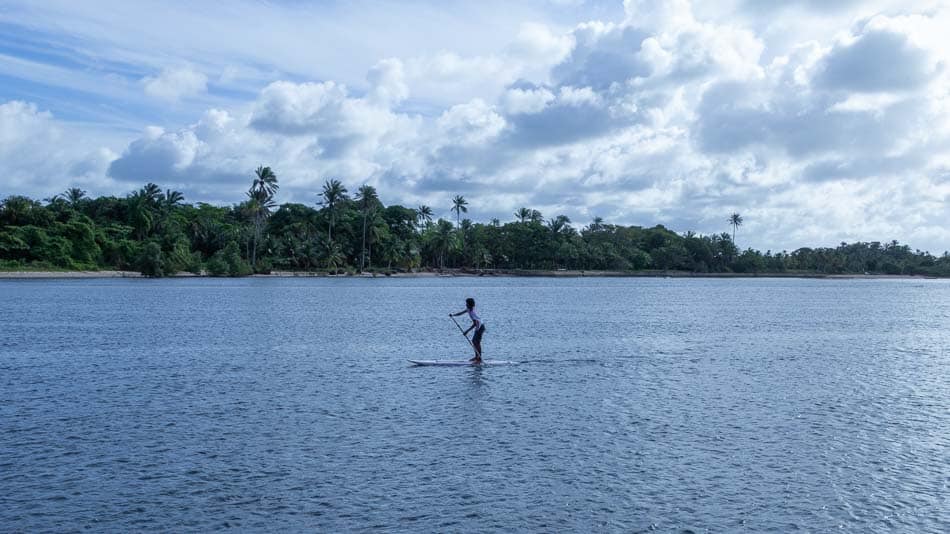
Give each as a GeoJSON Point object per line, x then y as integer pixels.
{"type": "Point", "coordinates": [157, 233]}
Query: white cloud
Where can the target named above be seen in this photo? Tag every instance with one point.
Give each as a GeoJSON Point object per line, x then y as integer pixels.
{"type": "Point", "coordinates": [387, 82]}
{"type": "Point", "coordinates": [526, 100]}
{"type": "Point", "coordinates": [39, 153]}
{"type": "Point", "coordinates": [538, 43]}
{"type": "Point", "coordinates": [876, 60]}
{"type": "Point", "coordinates": [173, 84]}
{"type": "Point", "coordinates": [472, 123]}
{"type": "Point", "coordinates": [292, 108]}
{"type": "Point", "coordinates": [578, 96]}
{"type": "Point", "coordinates": [674, 112]}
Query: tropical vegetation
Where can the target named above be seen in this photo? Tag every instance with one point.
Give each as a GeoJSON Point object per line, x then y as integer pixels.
{"type": "Point", "coordinates": [157, 233]}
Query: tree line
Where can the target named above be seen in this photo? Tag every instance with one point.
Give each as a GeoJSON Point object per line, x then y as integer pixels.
{"type": "Point", "coordinates": [157, 233]}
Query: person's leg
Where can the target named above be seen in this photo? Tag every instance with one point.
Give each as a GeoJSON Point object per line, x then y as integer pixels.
{"type": "Point", "coordinates": [477, 341]}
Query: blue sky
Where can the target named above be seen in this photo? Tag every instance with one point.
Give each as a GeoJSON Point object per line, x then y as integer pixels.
{"type": "Point", "coordinates": [819, 122]}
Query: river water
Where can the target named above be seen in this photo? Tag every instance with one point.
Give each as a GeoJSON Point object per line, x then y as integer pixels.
{"type": "Point", "coordinates": [639, 405]}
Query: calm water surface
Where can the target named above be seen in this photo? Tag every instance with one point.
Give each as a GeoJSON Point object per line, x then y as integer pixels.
{"type": "Point", "coordinates": [642, 404]}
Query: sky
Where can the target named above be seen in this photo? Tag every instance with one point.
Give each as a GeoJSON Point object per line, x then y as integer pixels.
{"type": "Point", "coordinates": [818, 121]}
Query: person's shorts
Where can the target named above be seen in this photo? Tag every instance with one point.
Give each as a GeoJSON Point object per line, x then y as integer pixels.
{"type": "Point", "coordinates": [478, 334]}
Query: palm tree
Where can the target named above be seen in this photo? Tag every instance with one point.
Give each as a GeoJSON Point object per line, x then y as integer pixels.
{"type": "Point", "coordinates": [335, 256]}
{"type": "Point", "coordinates": [17, 209]}
{"type": "Point", "coordinates": [261, 195]}
{"type": "Point", "coordinates": [265, 181]}
{"type": "Point", "coordinates": [164, 205]}
{"type": "Point", "coordinates": [334, 193]}
{"type": "Point", "coordinates": [173, 198]}
{"type": "Point", "coordinates": [522, 214]}
{"type": "Point", "coordinates": [74, 196]}
{"type": "Point", "coordinates": [152, 192]}
{"type": "Point", "coordinates": [736, 221]}
{"type": "Point", "coordinates": [424, 213]}
{"type": "Point", "coordinates": [459, 207]}
{"type": "Point", "coordinates": [443, 239]}
{"type": "Point", "coordinates": [367, 197]}
{"type": "Point", "coordinates": [141, 213]}
{"type": "Point", "coordinates": [597, 224]}
{"type": "Point", "coordinates": [375, 230]}
{"type": "Point", "coordinates": [260, 205]}
{"type": "Point", "coordinates": [558, 227]}
{"type": "Point", "coordinates": [558, 224]}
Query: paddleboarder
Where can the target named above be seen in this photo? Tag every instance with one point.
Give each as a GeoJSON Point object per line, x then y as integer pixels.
{"type": "Point", "coordinates": [477, 325]}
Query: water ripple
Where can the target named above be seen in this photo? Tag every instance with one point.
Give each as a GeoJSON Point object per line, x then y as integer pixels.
{"type": "Point", "coordinates": [640, 405]}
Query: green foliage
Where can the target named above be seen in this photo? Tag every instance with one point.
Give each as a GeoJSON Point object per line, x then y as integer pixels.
{"type": "Point", "coordinates": [228, 262]}
{"type": "Point", "coordinates": [154, 231]}
{"type": "Point", "coordinates": [151, 261]}
{"type": "Point", "coordinates": [81, 234]}
{"type": "Point", "coordinates": [216, 265]}
{"type": "Point", "coordinates": [236, 265]}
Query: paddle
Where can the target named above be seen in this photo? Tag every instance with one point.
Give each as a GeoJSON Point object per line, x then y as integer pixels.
{"type": "Point", "coordinates": [462, 331]}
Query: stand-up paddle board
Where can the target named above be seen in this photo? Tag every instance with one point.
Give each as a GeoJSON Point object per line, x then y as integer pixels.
{"type": "Point", "coordinates": [450, 363]}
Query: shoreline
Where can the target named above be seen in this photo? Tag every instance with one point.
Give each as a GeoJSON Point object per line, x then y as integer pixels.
{"type": "Point", "coordinates": [462, 273]}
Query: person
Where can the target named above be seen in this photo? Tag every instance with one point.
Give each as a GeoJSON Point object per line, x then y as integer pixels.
{"type": "Point", "coordinates": [477, 325]}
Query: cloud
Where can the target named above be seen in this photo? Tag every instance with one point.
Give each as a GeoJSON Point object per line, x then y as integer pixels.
{"type": "Point", "coordinates": [604, 54]}
{"type": "Point", "coordinates": [41, 153]}
{"type": "Point", "coordinates": [540, 44]}
{"type": "Point", "coordinates": [387, 82]}
{"type": "Point", "coordinates": [156, 151]}
{"type": "Point", "coordinates": [574, 114]}
{"type": "Point", "coordinates": [290, 108]}
{"type": "Point", "coordinates": [876, 60]}
{"type": "Point", "coordinates": [473, 123]}
{"type": "Point", "coordinates": [673, 111]}
{"type": "Point", "coordinates": [173, 84]}
{"type": "Point", "coordinates": [529, 100]}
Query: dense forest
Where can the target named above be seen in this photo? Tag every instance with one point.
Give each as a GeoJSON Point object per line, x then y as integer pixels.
{"type": "Point", "coordinates": [157, 233]}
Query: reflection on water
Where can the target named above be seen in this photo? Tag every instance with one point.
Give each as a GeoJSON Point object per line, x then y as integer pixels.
{"type": "Point", "coordinates": [639, 404]}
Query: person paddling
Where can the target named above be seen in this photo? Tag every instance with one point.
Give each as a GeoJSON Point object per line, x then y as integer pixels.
{"type": "Point", "coordinates": [477, 325]}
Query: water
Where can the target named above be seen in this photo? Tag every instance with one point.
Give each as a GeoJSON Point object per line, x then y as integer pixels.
{"type": "Point", "coordinates": [644, 404]}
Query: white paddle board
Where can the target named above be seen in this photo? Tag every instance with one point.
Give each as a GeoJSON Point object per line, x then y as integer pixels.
{"type": "Point", "coordinates": [450, 363]}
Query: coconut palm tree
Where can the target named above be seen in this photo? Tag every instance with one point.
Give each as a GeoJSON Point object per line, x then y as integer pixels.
{"type": "Point", "coordinates": [265, 181]}
{"type": "Point", "coordinates": [558, 225]}
{"type": "Point", "coordinates": [18, 210]}
{"type": "Point", "coordinates": [164, 206]}
{"type": "Point", "coordinates": [459, 206]}
{"type": "Point", "coordinates": [334, 193]}
{"type": "Point", "coordinates": [367, 198]}
{"type": "Point", "coordinates": [152, 193]}
{"type": "Point", "coordinates": [260, 204]}
{"type": "Point", "coordinates": [173, 198]}
{"type": "Point", "coordinates": [522, 214]}
{"type": "Point", "coordinates": [335, 257]}
{"type": "Point", "coordinates": [375, 230]}
{"type": "Point", "coordinates": [736, 221]}
{"type": "Point", "coordinates": [424, 214]}
{"type": "Point", "coordinates": [141, 213]}
{"type": "Point", "coordinates": [74, 196]}
{"type": "Point", "coordinates": [443, 239]}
